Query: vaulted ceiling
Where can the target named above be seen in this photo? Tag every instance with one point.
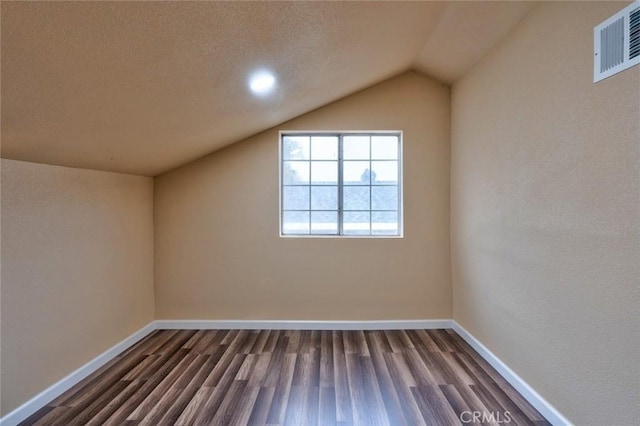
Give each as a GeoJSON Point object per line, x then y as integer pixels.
{"type": "Point", "coordinates": [143, 87]}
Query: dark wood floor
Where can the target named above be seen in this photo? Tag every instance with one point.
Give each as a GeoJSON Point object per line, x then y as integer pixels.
{"type": "Point", "coordinates": [239, 377]}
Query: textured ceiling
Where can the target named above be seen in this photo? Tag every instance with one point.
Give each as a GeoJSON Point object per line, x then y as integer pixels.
{"type": "Point", "coordinates": [143, 87]}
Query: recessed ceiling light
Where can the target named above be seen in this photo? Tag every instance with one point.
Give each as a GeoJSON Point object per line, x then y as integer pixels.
{"type": "Point", "coordinates": [262, 82]}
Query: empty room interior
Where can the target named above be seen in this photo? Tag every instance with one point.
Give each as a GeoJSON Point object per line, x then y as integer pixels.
{"type": "Point", "coordinates": [320, 213]}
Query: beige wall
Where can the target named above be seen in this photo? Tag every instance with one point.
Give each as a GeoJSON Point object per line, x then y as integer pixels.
{"type": "Point", "coordinates": [77, 270]}
{"type": "Point", "coordinates": [217, 250]}
{"type": "Point", "coordinates": [545, 214]}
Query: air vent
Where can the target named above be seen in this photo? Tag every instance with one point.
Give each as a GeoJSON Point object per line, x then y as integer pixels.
{"type": "Point", "coordinates": [617, 42]}
{"type": "Point", "coordinates": [634, 34]}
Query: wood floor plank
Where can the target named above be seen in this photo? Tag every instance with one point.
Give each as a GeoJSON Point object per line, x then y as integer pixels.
{"type": "Point", "coordinates": [249, 342]}
{"type": "Point", "coordinates": [293, 413]}
{"type": "Point", "coordinates": [307, 370]}
{"type": "Point", "coordinates": [316, 338]}
{"type": "Point", "coordinates": [226, 359]}
{"type": "Point", "coordinates": [151, 345]}
{"type": "Point", "coordinates": [430, 360]}
{"type": "Point", "coordinates": [49, 418]}
{"type": "Point", "coordinates": [441, 340]}
{"type": "Point", "coordinates": [455, 400]}
{"type": "Point", "coordinates": [260, 369]}
{"type": "Point", "coordinates": [326, 406]}
{"type": "Point", "coordinates": [194, 339]}
{"type": "Point", "coordinates": [495, 405]}
{"type": "Point", "coordinates": [359, 404]}
{"type": "Point", "coordinates": [245, 406]}
{"type": "Point", "coordinates": [326, 360]}
{"type": "Point", "coordinates": [343, 397]}
{"type": "Point", "coordinates": [406, 341]}
{"type": "Point", "coordinates": [107, 411]}
{"type": "Point", "coordinates": [230, 405]}
{"type": "Point", "coordinates": [293, 377]}
{"type": "Point", "coordinates": [247, 367]}
{"type": "Point", "coordinates": [160, 391]}
{"type": "Point", "coordinates": [280, 400]}
{"type": "Point", "coordinates": [373, 395]}
{"type": "Point", "coordinates": [261, 406]}
{"type": "Point", "coordinates": [434, 406]}
{"type": "Point", "coordinates": [387, 389]}
{"type": "Point", "coordinates": [143, 366]}
{"type": "Point", "coordinates": [194, 407]}
{"type": "Point", "coordinates": [35, 417]}
{"type": "Point", "coordinates": [210, 407]}
{"type": "Point", "coordinates": [361, 343]}
{"type": "Point", "coordinates": [229, 337]}
{"type": "Point", "coordinates": [310, 403]}
{"type": "Point", "coordinates": [158, 410]}
{"type": "Point", "coordinates": [305, 344]}
{"type": "Point", "coordinates": [421, 338]}
{"type": "Point", "coordinates": [488, 379]}
{"type": "Point", "coordinates": [274, 369]}
{"type": "Point", "coordinates": [418, 368]}
{"type": "Point", "coordinates": [394, 341]}
{"type": "Point", "coordinates": [294, 341]}
{"type": "Point", "coordinates": [93, 390]}
{"type": "Point", "coordinates": [261, 342]}
{"type": "Point", "coordinates": [471, 399]}
{"type": "Point", "coordinates": [189, 390]}
{"type": "Point", "coordinates": [504, 404]}
{"type": "Point", "coordinates": [175, 342]}
{"type": "Point", "coordinates": [458, 373]}
{"type": "Point", "coordinates": [270, 345]}
{"type": "Point", "coordinates": [404, 382]}
{"type": "Point", "coordinates": [80, 417]}
{"type": "Point", "coordinates": [205, 342]}
{"type": "Point", "coordinates": [120, 415]}
{"type": "Point", "coordinates": [349, 340]}
{"type": "Point", "coordinates": [175, 398]}
{"type": "Point", "coordinates": [88, 381]}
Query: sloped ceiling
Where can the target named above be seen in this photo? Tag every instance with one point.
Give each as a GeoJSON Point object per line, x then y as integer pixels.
{"type": "Point", "coordinates": [143, 87]}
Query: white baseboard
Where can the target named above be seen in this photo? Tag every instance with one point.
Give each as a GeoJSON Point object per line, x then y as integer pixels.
{"type": "Point", "coordinates": [534, 398]}
{"type": "Point", "coordinates": [58, 388]}
{"type": "Point", "coordinates": [301, 325]}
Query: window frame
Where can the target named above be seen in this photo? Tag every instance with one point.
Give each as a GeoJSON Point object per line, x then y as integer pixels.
{"type": "Point", "coordinates": [340, 134]}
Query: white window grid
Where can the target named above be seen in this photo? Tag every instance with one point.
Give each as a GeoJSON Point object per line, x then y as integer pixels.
{"type": "Point", "coordinates": [340, 185]}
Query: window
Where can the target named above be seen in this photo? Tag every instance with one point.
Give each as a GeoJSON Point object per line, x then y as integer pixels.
{"type": "Point", "coordinates": [346, 184]}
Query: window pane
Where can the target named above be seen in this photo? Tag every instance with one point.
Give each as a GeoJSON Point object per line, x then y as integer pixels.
{"type": "Point", "coordinates": [324, 222]}
{"type": "Point", "coordinates": [356, 223]}
{"type": "Point", "coordinates": [295, 147]}
{"type": "Point", "coordinates": [295, 172]}
{"type": "Point", "coordinates": [355, 198]}
{"type": "Point", "coordinates": [384, 147]}
{"type": "Point", "coordinates": [355, 172]}
{"type": "Point", "coordinates": [324, 147]}
{"type": "Point", "coordinates": [324, 198]}
{"type": "Point", "coordinates": [384, 172]}
{"type": "Point", "coordinates": [384, 223]}
{"type": "Point", "coordinates": [295, 222]}
{"type": "Point", "coordinates": [355, 147]}
{"type": "Point", "coordinates": [324, 172]}
{"type": "Point", "coordinates": [384, 197]}
{"type": "Point", "coordinates": [295, 198]}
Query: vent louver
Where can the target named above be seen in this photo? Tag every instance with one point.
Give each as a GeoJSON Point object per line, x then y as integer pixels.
{"type": "Point", "coordinates": [634, 34]}
{"type": "Point", "coordinates": [617, 42]}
